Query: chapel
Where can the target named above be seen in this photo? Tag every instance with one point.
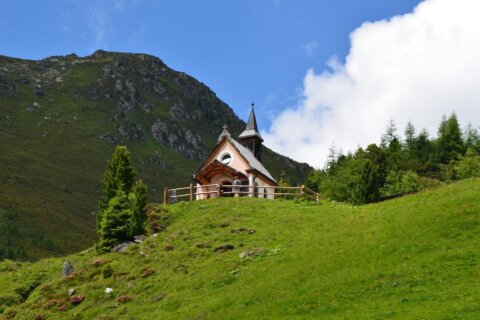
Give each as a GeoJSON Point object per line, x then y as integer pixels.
{"type": "Point", "coordinates": [236, 162]}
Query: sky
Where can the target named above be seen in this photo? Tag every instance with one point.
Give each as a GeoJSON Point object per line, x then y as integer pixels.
{"type": "Point", "coordinates": [320, 72]}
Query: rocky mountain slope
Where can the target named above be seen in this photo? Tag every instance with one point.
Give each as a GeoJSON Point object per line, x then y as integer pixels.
{"type": "Point", "coordinates": [60, 119]}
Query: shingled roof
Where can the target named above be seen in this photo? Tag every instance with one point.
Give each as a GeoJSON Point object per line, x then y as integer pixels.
{"type": "Point", "coordinates": [252, 161]}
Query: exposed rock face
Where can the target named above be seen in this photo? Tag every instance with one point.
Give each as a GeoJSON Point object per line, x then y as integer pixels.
{"type": "Point", "coordinates": [188, 143]}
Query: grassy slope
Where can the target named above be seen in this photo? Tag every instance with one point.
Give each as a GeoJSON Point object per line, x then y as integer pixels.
{"type": "Point", "coordinates": [411, 258]}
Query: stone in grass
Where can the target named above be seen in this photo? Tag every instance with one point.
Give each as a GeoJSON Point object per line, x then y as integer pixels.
{"type": "Point", "coordinates": [122, 247]}
{"type": "Point", "coordinates": [224, 248]}
{"type": "Point", "coordinates": [71, 291]}
{"type": "Point", "coordinates": [139, 239]}
{"type": "Point", "coordinates": [67, 269]}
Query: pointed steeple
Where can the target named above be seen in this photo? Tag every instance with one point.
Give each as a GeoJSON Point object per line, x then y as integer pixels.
{"type": "Point", "coordinates": [251, 128]}
{"type": "Point", "coordinates": [250, 138]}
{"type": "Point", "coordinates": [252, 120]}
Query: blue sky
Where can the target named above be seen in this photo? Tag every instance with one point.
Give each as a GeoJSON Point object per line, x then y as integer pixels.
{"type": "Point", "coordinates": [243, 50]}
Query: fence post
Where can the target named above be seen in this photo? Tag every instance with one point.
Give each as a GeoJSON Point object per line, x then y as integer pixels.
{"type": "Point", "coordinates": [165, 196]}
{"type": "Point", "coordinates": [219, 186]}
{"type": "Point", "coordinates": [191, 192]}
{"type": "Point", "coordinates": [302, 191]}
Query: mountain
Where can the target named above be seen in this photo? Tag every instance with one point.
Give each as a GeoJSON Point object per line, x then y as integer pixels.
{"type": "Point", "coordinates": [60, 120]}
{"type": "Point", "coordinates": [414, 257]}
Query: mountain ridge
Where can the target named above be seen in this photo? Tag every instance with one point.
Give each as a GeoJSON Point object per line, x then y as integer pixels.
{"type": "Point", "coordinates": [62, 116]}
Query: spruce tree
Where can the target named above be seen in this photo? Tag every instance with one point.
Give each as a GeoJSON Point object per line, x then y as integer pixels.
{"type": "Point", "coordinates": [449, 143]}
{"type": "Point", "coordinates": [138, 201]}
{"type": "Point", "coordinates": [120, 174]}
{"type": "Point", "coordinates": [114, 227]}
{"type": "Point", "coordinates": [471, 138]}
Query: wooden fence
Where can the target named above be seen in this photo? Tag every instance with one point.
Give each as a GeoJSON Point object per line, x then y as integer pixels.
{"type": "Point", "coordinates": [193, 192]}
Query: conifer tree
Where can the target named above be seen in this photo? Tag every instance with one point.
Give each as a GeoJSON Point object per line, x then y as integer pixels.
{"type": "Point", "coordinates": [410, 139]}
{"type": "Point", "coordinates": [449, 143]}
{"type": "Point", "coordinates": [114, 227]}
{"type": "Point", "coordinates": [120, 174]}
{"type": "Point", "coordinates": [138, 200]}
{"type": "Point", "coordinates": [472, 138]}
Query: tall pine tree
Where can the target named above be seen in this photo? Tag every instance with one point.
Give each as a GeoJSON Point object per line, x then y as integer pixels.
{"type": "Point", "coordinates": [449, 143]}
{"type": "Point", "coordinates": [120, 174]}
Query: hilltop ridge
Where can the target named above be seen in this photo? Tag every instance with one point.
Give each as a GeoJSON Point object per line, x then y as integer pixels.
{"type": "Point", "coordinates": [62, 116]}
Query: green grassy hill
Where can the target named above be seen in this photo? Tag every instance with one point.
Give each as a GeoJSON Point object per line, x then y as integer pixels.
{"type": "Point", "coordinates": [415, 257]}
{"type": "Point", "coordinates": [60, 120]}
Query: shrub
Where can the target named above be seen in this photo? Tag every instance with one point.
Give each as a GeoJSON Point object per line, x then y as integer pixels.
{"type": "Point", "coordinates": [469, 165]}
{"type": "Point", "coordinates": [401, 182]}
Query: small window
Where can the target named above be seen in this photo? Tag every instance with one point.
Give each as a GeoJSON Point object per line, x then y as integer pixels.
{"type": "Point", "coordinates": [226, 158]}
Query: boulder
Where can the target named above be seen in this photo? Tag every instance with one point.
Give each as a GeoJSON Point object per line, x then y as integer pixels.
{"type": "Point", "coordinates": [122, 247]}
{"type": "Point", "coordinates": [67, 269]}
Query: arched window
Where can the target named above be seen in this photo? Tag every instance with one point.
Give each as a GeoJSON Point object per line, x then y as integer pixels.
{"type": "Point", "coordinates": [226, 158]}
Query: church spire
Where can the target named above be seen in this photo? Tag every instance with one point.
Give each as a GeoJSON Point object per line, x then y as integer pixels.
{"type": "Point", "coordinates": [252, 120]}
{"type": "Point", "coordinates": [250, 138]}
{"type": "Point", "coordinates": [251, 129]}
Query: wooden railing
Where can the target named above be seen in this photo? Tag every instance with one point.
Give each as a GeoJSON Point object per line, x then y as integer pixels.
{"type": "Point", "coordinates": [193, 192]}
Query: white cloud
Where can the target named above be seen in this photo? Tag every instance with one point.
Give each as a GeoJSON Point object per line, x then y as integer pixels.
{"type": "Point", "coordinates": [310, 47]}
{"type": "Point", "coordinates": [412, 67]}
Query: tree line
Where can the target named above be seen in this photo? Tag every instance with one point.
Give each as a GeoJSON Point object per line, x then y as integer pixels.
{"type": "Point", "coordinates": [400, 164]}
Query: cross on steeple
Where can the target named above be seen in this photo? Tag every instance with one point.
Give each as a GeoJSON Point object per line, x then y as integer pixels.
{"type": "Point", "coordinates": [225, 127]}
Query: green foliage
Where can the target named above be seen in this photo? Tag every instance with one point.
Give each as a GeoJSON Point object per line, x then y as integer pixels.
{"type": "Point", "coordinates": [415, 257]}
{"type": "Point", "coordinates": [396, 167]}
{"type": "Point", "coordinates": [125, 214]}
{"type": "Point", "coordinates": [449, 143]}
{"type": "Point", "coordinates": [115, 226]}
{"type": "Point", "coordinates": [469, 165]}
{"type": "Point", "coordinates": [120, 174]}
{"type": "Point", "coordinates": [401, 182]}
{"type": "Point", "coordinates": [138, 200]}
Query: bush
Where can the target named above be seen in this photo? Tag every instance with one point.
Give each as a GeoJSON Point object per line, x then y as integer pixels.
{"type": "Point", "coordinates": [401, 182]}
{"type": "Point", "coordinates": [469, 165]}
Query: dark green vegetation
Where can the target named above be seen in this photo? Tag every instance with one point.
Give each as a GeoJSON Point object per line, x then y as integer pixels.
{"type": "Point", "coordinates": [60, 120]}
{"type": "Point", "coordinates": [397, 167]}
{"type": "Point", "coordinates": [122, 212]}
{"type": "Point", "coordinates": [415, 257]}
